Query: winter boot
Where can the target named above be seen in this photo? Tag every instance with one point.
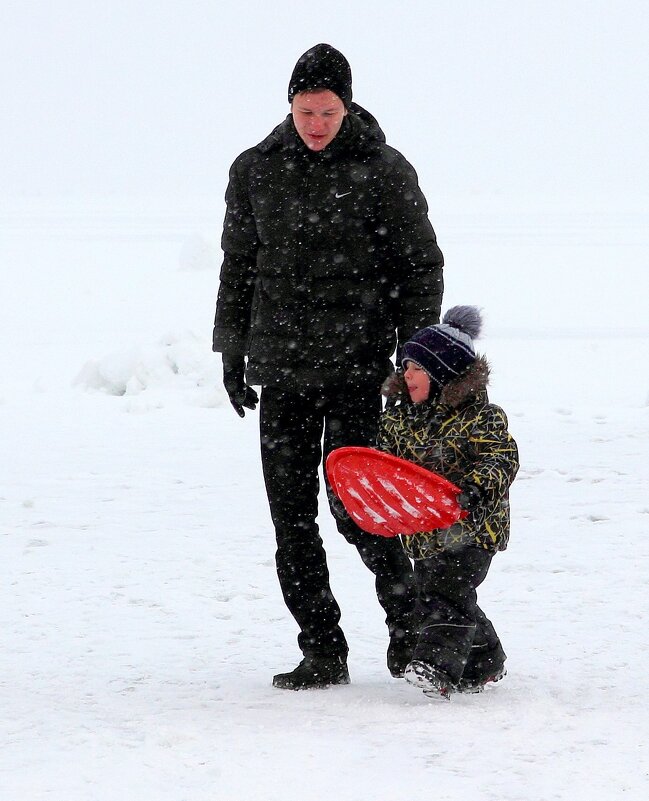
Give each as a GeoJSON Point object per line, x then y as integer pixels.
{"type": "Point", "coordinates": [477, 685]}
{"type": "Point", "coordinates": [485, 665]}
{"type": "Point", "coordinates": [433, 682]}
{"type": "Point", "coordinates": [402, 644]}
{"type": "Point", "coordinates": [314, 673]}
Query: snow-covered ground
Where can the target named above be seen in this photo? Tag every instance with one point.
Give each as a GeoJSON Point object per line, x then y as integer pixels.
{"type": "Point", "coordinates": [140, 614]}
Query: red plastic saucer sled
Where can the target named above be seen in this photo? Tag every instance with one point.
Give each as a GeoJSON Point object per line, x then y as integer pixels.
{"type": "Point", "coordinates": [387, 496]}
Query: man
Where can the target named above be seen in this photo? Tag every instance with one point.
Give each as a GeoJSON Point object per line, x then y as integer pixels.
{"type": "Point", "coordinates": [329, 259]}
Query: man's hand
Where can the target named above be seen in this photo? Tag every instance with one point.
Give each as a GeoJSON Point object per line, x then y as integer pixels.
{"type": "Point", "coordinates": [240, 394]}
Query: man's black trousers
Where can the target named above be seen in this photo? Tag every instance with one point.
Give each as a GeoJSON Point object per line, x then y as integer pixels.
{"type": "Point", "coordinates": [298, 431]}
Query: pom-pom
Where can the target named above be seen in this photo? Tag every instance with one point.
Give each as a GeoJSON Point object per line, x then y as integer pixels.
{"type": "Point", "coordinates": [465, 318]}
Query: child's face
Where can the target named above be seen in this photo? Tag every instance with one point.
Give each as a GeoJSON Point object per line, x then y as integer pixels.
{"type": "Point", "coordinates": [418, 382]}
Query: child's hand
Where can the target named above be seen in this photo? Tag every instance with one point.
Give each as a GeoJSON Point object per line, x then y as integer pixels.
{"type": "Point", "coordinates": [470, 498]}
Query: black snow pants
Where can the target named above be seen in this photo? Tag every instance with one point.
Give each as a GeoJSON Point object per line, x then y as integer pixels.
{"type": "Point", "coordinates": [298, 431]}
{"type": "Point", "coordinates": [456, 637]}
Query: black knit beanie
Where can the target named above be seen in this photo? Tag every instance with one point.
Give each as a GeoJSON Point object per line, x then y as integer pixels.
{"type": "Point", "coordinates": [322, 67]}
{"type": "Point", "coordinates": [445, 351]}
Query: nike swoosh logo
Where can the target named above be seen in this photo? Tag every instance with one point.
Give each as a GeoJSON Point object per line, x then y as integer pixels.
{"type": "Point", "coordinates": [342, 194]}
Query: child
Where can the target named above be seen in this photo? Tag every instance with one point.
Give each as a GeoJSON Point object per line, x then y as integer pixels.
{"type": "Point", "coordinates": [439, 416]}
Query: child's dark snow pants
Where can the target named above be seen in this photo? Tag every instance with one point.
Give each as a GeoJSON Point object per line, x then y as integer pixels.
{"type": "Point", "coordinates": [454, 630]}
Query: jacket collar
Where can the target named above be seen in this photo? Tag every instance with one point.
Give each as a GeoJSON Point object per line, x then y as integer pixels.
{"type": "Point", "coordinates": [359, 130]}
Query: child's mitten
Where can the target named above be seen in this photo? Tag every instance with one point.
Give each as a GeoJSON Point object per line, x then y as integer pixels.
{"type": "Point", "coordinates": [470, 498]}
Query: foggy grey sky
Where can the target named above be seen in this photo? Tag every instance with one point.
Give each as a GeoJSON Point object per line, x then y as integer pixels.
{"type": "Point", "coordinates": [518, 99]}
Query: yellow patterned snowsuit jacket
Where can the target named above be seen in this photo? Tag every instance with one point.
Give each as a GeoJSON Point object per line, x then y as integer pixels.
{"type": "Point", "coordinates": [464, 438]}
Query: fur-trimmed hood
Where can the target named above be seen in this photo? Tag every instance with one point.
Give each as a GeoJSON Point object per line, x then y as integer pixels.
{"type": "Point", "coordinates": [469, 385]}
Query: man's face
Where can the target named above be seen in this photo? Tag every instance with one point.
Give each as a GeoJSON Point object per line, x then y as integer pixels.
{"type": "Point", "coordinates": [318, 116]}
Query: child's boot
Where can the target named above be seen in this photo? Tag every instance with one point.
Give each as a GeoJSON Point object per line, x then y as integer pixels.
{"type": "Point", "coordinates": [485, 665]}
{"type": "Point", "coordinates": [433, 682]}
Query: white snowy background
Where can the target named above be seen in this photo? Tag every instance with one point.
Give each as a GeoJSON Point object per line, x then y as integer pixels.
{"type": "Point", "coordinates": [140, 616]}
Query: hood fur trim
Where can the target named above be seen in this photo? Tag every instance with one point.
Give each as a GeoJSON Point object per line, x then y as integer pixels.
{"type": "Point", "coordinates": [394, 386]}
{"type": "Point", "coordinates": [470, 384]}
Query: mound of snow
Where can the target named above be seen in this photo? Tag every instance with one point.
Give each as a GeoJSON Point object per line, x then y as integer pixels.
{"type": "Point", "coordinates": [178, 368]}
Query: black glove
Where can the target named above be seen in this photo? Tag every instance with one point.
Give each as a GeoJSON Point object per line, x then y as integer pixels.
{"type": "Point", "coordinates": [470, 497]}
{"type": "Point", "coordinates": [240, 394]}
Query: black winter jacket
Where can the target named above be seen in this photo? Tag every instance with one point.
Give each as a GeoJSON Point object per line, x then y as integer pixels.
{"type": "Point", "coordinates": [328, 257]}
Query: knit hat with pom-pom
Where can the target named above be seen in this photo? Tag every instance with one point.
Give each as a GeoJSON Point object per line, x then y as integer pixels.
{"type": "Point", "coordinates": [445, 351]}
